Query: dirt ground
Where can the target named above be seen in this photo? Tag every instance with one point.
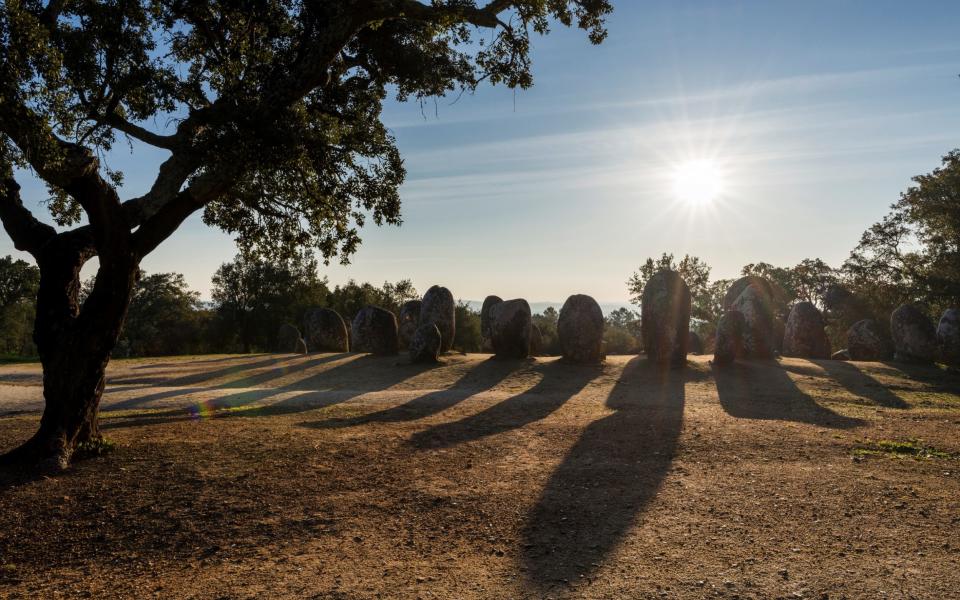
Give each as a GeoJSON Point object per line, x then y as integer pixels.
{"type": "Point", "coordinates": [346, 476]}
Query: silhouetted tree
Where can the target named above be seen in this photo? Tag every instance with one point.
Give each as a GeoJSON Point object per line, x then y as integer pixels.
{"type": "Point", "coordinates": [546, 322]}
{"type": "Point", "coordinates": [467, 337]}
{"type": "Point", "coordinates": [622, 331]}
{"type": "Point", "coordinates": [165, 317]}
{"type": "Point", "coordinates": [275, 135]}
{"type": "Point", "coordinates": [913, 254]}
{"type": "Point", "coordinates": [349, 298]}
{"type": "Point", "coordinates": [19, 281]}
{"type": "Point", "coordinates": [254, 296]}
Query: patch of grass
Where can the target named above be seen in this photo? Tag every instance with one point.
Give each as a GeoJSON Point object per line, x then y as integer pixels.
{"type": "Point", "coordinates": [95, 447]}
{"type": "Point", "coordinates": [6, 359]}
{"type": "Point", "coordinates": [913, 448]}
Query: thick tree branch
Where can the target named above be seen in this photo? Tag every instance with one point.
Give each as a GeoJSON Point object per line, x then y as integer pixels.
{"type": "Point", "coordinates": [173, 173]}
{"type": "Point", "coordinates": [114, 120]}
{"type": "Point", "coordinates": [486, 16]}
{"type": "Point", "coordinates": [71, 167]}
{"type": "Point", "coordinates": [202, 190]}
{"type": "Point", "coordinates": [28, 234]}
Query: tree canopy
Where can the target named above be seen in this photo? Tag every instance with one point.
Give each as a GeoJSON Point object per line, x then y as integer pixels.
{"type": "Point", "coordinates": [269, 109]}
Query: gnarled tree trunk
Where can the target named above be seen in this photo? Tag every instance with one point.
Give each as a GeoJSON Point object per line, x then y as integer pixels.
{"type": "Point", "coordinates": [74, 343]}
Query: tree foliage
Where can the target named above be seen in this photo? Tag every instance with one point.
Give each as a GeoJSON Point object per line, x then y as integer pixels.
{"type": "Point", "coordinates": [165, 318]}
{"type": "Point", "coordinates": [18, 289]}
{"type": "Point", "coordinates": [269, 109]}
{"type": "Point", "coordinates": [913, 254]}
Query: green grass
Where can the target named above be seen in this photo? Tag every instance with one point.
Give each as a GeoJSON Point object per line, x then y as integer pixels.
{"type": "Point", "coordinates": [9, 359]}
{"type": "Point", "coordinates": [95, 447]}
{"type": "Point", "coordinates": [901, 449]}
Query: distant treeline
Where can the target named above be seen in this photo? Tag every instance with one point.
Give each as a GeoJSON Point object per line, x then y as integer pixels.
{"type": "Point", "coordinates": [251, 299]}
{"type": "Point", "coordinates": [912, 255]}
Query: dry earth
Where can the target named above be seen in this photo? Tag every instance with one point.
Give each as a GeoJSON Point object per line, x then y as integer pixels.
{"type": "Point", "coordinates": [347, 476]}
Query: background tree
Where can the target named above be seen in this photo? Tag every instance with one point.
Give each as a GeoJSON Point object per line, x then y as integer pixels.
{"type": "Point", "coordinates": [467, 337]}
{"type": "Point", "coordinates": [621, 331]}
{"type": "Point", "coordinates": [19, 281]}
{"type": "Point", "coordinates": [349, 298]}
{"type": "Point", "coordinates": [546, 322]}
{"type": "Point", "coordinates": [913, 254]}
{"type": "Point", "coordinates": [254, 296]}
{"type": "Point", "coordinates": [275, 134]}
{"type": "Point", "coordinates": [165, 318]}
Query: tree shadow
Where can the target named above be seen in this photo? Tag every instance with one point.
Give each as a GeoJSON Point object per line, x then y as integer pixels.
{"type": "Point", "coordinates": [482, 377]}
{"type": "Point", "coordinates": [12, 476]}
{"type": "Point", "coordinates": [762, 389]}
{"type": "Point", "coordinates": [560, 382]}
{"type": "Point", "coordinates": [282, 369]}
{"type": "Point", "coordinates": [859, 383]}
{"type": "Point", "coordinates": [608, 477]}
{"type": "Point", "coordinates": [320, 391]}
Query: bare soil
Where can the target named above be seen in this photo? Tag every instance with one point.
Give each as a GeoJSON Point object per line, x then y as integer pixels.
{"type": "Point", "coordinates": [347, 476]}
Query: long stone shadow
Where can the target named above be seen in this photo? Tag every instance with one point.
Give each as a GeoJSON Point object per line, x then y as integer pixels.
{"type": "Point", "coordinates": [763, 390]}
{"type": "Point", "coordinates": [314, 396]}
{"type": "Point", "coordinates": [559, 383]}
{"type": "Point", "coordinates": [861, 384]}
{"type": "Point", "coordinates": [480, 378]}
{"type": "Point", "coordinates": [282, 369]}
{"type": "Point", "coordinates": [181, 363]}
{"type": "Point", "coordinates": [939, 380]}
{"type": "Point", "coordinates": [608, 477]}
{"type": "Point", "coordinates": [202, 376]}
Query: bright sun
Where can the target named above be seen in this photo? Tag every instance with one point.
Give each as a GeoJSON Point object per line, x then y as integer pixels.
{"type": "Point", "coordinates": [697, 181]}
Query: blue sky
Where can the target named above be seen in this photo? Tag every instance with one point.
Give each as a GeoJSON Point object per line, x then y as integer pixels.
{"type": "Point", "coordinates": [816, 115]}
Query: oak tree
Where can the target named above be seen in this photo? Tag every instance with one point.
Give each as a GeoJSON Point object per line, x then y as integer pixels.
{"type": "Point", "coordinates": [269, 114]}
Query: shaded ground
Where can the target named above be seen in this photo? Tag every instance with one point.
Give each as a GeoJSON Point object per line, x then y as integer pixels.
{"type": "Point", "coordinates": [347, 476]}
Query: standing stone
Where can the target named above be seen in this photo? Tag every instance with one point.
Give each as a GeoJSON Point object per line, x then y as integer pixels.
{"type": "Point", "coordinates": [804, 336]}
{"type": "Point", "coordinates": [375, 331]}
{"type": "Point", "coordinates": [408, 321]}
{"type": "Point", "coordinates": [580, 328]}
{"type": "Point", "coordinates": [729, 344]}
{"type": "Point", "coordinates": [536, 341]}
{"type": "Point", "coordinates": [914, 336]}
{"type": "Point", "coordinates": [439, 308]}
{"type": "Point", "coordinates": [510, 325]}
{"type": "Point", "coordinates": [776, 295]}
{"type": "Point", "coordinates": [757, 313]}
{"type": "Point", "coordinates": [694, 343]}
{"type": "Point", "coordinates": [325, 331]}
{"type": "Point", "coordinates": [665, 318]}
{"type": "Point", "coordinates": [289, 340]}
{"type": "Point", "coordinates": [948, 334]}
{"type": "Point", "coordinates": [425, 344]}
{"type": "Point", "coordinates": [488, 303]}
{"type": "Point", "coordinates": [866, 341]}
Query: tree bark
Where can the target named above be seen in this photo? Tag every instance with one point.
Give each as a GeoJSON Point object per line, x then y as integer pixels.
{"type": "Point", "coordinates": [74, 344]}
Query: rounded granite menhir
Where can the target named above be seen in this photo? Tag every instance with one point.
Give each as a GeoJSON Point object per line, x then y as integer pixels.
{"type": "Point", "coordinates": [580, 328]}
{"type": "Point", "coordinates": [375, 331]}
{"type": "Point", "coordinates": [439, 308]}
